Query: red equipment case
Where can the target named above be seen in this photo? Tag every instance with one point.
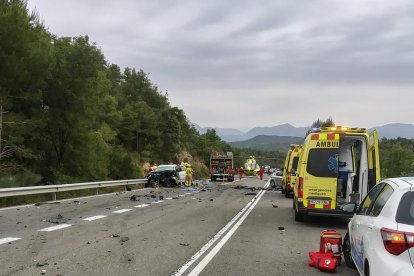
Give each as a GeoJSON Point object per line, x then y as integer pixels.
{"type": "Point", "coordinates": [327, 264]}
{"type": "Point", "coordinates": [331, 241]}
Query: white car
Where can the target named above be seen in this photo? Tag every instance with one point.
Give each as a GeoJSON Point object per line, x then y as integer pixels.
{"type": "Point", "coordinates": [380, 238]}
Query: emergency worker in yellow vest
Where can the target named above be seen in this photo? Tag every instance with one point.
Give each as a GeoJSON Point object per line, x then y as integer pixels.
{"type": "Point", "coordinates": [188, 176]}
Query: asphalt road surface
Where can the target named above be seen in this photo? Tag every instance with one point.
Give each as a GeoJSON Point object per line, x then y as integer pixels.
{"type": "Point", "coordinates": [221, 230]}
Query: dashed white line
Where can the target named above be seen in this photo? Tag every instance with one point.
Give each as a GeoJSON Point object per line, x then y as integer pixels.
{"type": "Point", "coordinates": [94, 218]}
{"type": "Point", "coordinates": [53, 228]}
{"type": "Point", "coordinates": [9, 239]}
{"type": "Point", "coordinates": [157, 201]}
{"type": "Point", "coordinates": [141, 206]}
{"type": "Point", "coordinates": [121, 211]}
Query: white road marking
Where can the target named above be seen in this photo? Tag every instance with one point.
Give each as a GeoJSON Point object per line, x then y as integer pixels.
{"type": "Point", "coordinates": [188, 193]}
{"type": "Point", "coordinates": [94, 218]}
{"type": "Point", "coordinates": [121, 211]}
{"type": "Point", "coordinates": [181, 195]}
{"type": "Point", "coordinates": [217, 236]}
{"type": "Point", "coordinates": [204, 262]}
{"type": "Point", "coordinates": [142, 206]}
{"type": "Point", "coordinates": [168, 198]}
{"type": "Point", "coordinates": [157, 201]}
{"type": "Point", "coordinates": [9, 239]}
{"type": "Point", "coordinates": [53, 228]}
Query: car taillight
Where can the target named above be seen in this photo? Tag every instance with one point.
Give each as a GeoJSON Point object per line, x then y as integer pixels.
{"type": "Point", "coordinates": [300, 187]}
{"type": "Point", "coordinates": [396, 242]}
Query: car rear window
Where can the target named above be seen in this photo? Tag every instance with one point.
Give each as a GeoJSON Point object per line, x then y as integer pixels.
{"type": "Point", "coordinates": [323, 162]}
{"type": "Point", "coordinates": [405, 211]}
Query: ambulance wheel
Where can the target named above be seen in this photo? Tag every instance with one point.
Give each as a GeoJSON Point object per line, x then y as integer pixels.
{"type": "Point", "coordinates": [299, 216]}
{"type": "Point", "coordinates": [347, 252]}
{"type": "Point", "coordinates": [287, 192]}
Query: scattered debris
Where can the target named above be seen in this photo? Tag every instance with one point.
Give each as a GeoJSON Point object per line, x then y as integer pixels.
{"type": "Point", "coordinates": [58, 219]}
{"type": "Point", "coordinates": [275, 206]}
{"type": "Point", "coordinates": [133, 198]}
{"type": "Point", "coordinates": [124, 239]}
{"type": "Point", "coordinates": [281, 228]}
{"type": "Point", "coordinates": [76, 201]}
{"type": "Point", "coordinates": [250, 193]}
{"type": "Point", "coordinates": [108, 208]}
{"type": "Point", "coordinates": [43, 271]}
{"type": "Point", "coordinates": [211, 199]}
{"type": "Point", "coordinates": [88, 243]}
{"type": "Point", "coordinates": [115, 236]}
{"type": "Point", "coordinates": [153, 196]}
{"type": "Point", "coordinates": [41, 264]}
{"type": "Point", "coordinates": [161, 197]}
{"type": "Point", "coordinates": [184, 244]}
{"type": "Point", "coordinates": [129, 260]}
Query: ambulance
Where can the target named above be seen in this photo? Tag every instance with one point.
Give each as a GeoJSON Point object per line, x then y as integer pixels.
{"type": "Point", "coordinates": [286, 172]}
{"type": "Point", "coordinates": [292, 171]}
{"type": "Point", "coordinates": [337, 167]}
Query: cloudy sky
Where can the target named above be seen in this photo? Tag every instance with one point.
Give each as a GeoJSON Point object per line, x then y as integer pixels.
{"type": "Point", "coordinates": [245, 64]}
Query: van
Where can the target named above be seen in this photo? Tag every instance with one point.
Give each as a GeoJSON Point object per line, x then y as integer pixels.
{"type": "Point", "coordinates": [286, 173]}
{"type": "Point", "coordinates": [337, 168]}
{"type": "Point", "coordinates": [292, 170]}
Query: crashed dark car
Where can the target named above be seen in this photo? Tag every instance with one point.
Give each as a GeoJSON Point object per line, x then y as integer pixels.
{"type": "Point", "coordinates": [166, 175]}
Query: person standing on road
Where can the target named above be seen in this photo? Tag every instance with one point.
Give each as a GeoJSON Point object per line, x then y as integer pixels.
{"type": "Point", "coordinates": [261, 172]}
{"type": "Point", "coordinates": [241, 172]}
{"type": "Point", "coordinates": [188, 176]}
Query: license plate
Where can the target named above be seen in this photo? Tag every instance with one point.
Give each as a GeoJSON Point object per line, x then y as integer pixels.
{"type": "Point", "coordinates": [319, 202]}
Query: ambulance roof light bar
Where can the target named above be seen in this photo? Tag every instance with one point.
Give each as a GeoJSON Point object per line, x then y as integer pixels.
{"type": "Point", "coordinates": [338, 129]}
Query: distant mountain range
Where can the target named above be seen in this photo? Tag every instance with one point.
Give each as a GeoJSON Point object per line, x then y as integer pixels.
{"type": "Point", "coordinates": [269, 142]}
{"type": "Point", "coordinates": [233, 135]}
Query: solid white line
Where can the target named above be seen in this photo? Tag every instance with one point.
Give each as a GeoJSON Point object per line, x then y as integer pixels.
{"type": "Point", "coordinates": [217, 236]}
{"type": "Point", "coordinates": [9, 239]}
{"type": "Point", "coordinates": [94, 218]}
{"type": "Point", "coordinates": [121, 211]}
{"type": "Point", "coordinates": [53, 228]}
{"type": "Point", "coordinates": [141, 206]}
{"type": "Point", "coordinates": [204, 262]}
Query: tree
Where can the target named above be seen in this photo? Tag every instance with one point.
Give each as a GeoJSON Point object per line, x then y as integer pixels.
{"type": "Point", "coordinates": [25, 61]}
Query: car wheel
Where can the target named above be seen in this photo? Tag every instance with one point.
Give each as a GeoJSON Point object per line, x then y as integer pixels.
{"type": "Point", "coordinates": [366, 268]}
{"type": "Point", "coordinates": [272, 184]}
{"type": "Point", "coordinates": [347, 252]}
{"type": "Point", "coordinates": [153, 184]}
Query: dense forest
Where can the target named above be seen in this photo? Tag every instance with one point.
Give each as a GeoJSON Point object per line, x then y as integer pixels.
{"type": "Point", "coordinates": [69, 115]}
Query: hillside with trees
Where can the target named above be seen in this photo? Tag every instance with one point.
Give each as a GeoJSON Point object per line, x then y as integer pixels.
{"type": "Point", "coordinates": [68, 115]}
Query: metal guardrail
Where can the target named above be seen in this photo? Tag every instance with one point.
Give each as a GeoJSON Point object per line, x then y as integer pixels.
{"type": "Point", "coordinates": [31, 190]}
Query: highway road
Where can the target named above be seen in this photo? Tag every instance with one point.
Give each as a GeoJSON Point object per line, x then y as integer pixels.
{"type": "Point", "coordinates": [223, 230]}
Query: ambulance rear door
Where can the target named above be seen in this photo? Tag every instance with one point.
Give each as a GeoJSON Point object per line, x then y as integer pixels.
{"type": "Point", "coordinates": [321, 178]}
{"type": "Point", "coordinates": [374, 174]}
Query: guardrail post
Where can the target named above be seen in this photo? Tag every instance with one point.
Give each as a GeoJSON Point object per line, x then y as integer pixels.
{"type": "Point", "coordinates": [97, 191]}
{"type": "Point", "coordinates": [53, 196]}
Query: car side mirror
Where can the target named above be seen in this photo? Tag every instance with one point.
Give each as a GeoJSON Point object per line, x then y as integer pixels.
{"type": "Point", "coordinates": [350, 207]}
